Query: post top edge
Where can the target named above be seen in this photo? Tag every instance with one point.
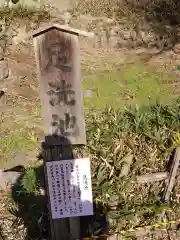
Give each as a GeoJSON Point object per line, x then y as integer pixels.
{"type": "Point", "coordinates": [64, 28]}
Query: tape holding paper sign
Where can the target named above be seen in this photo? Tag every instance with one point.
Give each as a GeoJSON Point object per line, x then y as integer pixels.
{"type": "Point", "coordinates": [70, 189]}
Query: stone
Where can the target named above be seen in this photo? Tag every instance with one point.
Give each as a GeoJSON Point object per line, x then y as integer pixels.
{"type": "Point", "coordinates": [125, 34]}
{"type": "Point", "coordinates": [66, 17]}
{"type": "Point", "coordinates": [3, 97]}
{"type": "Point", "coordinates": [8, 179]}
{"type": "Point", "coordinates": [176, 48]}
{"type": "Point", "coordinates": [4, 70]}
{"type": "Point", "coordinates": [88, 93]}
{"type": "Point", "coordinates": [147, 36]}
{"type": "Point", "coordinates": [42, 192]}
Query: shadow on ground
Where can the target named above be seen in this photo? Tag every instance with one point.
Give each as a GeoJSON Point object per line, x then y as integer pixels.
{"type": "Point", "coordinates": [33, 212]}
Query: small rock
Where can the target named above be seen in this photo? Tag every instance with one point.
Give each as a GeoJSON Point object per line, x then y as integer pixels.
{"type": "Point", "coordinates": [66, 17]}
{"type": "Point", "coordinates": [3, 97]}
{"type": "Point", "coordinates": [42, 192]}
{"type": "Point", "coordinates": [8, 178]}
{"type": "Point", "coordinates": [123, 84]}
{"type": "Point", "coordinates": [88, 93]}
{"type": "Point", "coordinates": [4, 70]}
{"type": "Point", "coordinates": [177, 48]}
{"type": "Point", "coordinates": [125, 34]}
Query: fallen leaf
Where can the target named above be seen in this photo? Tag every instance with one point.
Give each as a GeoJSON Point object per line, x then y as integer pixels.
{"type": "Point", "coordinates": [127, 161]}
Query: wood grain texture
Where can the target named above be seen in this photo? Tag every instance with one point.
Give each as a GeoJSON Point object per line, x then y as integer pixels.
{"type": "Point", "coordinates": [59, 227]}
{"type": "Point", "coordinates": [57, 56]}
{"type": "Point", "coordinates": [63, 28]}
{"type": "Point", "coordinates": [67, 228]}
{"type": "Point", "coordinates": [153, 177]}
{"type": "Point", "coordinates": [58, 63]}
{"type": "Point", "coordinates": [172, 176]}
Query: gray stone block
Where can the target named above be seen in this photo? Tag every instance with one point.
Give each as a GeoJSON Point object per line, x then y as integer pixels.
{"type": "Point", "coordinates": [8, 178]}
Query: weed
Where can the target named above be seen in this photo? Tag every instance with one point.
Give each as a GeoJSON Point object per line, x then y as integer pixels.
{"type": "Point", "coordinates": [141, 137]}
{"type": "Point", "coordinates": [23, 12]}
{"type": "Point", "coordinates": [19, 131]}
{"type": "Point", "coordinates": [29, 181]}
{"type": "Point", "coordinates": [16, 141]}
{"type": "Point", "coordinates": [98, 7]}
{"type": "Point", "coordinates": [143, 133]}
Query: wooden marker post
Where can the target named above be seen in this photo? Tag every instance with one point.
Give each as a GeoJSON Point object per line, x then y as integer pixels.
{"type": "Point", "coordinates": [58, 62]}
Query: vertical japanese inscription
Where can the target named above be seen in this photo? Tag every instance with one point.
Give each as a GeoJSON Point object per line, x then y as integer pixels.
{"type": "Point", "coordinates": [66, 127]}
{"type": "Point", "coordinates": [67, 193]}
{"type": "Point", "coordinates": [59, 56]}
{"type": "Point", "coordinates": [58, 61]}
{"type": "Point", "coordinates": [61, 93]}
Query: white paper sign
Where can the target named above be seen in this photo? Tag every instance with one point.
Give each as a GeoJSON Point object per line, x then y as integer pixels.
{"type": "Point", "coordinates": [70, 190]}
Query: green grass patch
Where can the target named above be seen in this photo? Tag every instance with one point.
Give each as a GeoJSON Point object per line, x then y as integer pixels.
{"type": "Point", "coordinates": [19, 131]}
{"type": "Point", "coordinates": [123, 144]}
{"type": "Point", "coordinates": [17, 140]}
{"type": "Point", "coordinates": [29, 181]}
{"type": "Point", "coordinates": [132, 84]}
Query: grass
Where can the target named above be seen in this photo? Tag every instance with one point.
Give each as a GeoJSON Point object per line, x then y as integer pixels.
{"type": "Point", "coordinates": [18, 141]}
{"type": "Point", "coordinates": [123, 144]}
{"type": "Point", "coordinates": [98, 7]}
{"type": "Point", "coordinates": [23, 12]}
{"type": "Point", "coordinates": [19, 131]}
{"type": "Point", "coordinates": [132, 84]}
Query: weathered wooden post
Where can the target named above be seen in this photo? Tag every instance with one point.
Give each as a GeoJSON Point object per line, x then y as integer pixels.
{"type": "Point", "coordinates": [68, 183]}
